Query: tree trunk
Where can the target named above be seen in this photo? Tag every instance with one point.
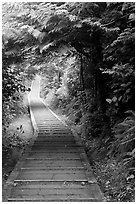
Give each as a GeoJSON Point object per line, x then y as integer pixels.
{"type": "Point", "coordinates": [100, 90]}
{"type": "Point", "coordinates": [81, 74]}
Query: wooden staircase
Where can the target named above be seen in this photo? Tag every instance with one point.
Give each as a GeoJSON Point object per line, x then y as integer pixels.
{"type": "Point", "coordinates": [55, 167]}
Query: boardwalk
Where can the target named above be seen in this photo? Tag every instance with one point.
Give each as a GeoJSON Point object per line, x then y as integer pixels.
{"type": "Point", "coordinates": [55, 168]}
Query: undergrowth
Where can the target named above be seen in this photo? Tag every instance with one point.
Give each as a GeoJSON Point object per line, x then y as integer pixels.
{"type": "Point", "coordinates": [13, 145]}
{"type": "Point", "coordinates": [13, 142]}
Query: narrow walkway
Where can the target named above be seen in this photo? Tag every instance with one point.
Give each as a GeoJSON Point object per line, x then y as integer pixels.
{"type": "Point", "coordinates": [56, 167]}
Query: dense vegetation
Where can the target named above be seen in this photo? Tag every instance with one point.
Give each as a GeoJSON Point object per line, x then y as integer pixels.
{"type": "Point", "coordinates": [85, 53]}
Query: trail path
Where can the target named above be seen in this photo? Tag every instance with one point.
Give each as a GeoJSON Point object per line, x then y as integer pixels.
{"type": "Point", "coordinates": [56, 167]}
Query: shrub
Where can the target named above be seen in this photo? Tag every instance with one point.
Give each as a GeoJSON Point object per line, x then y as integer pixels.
{"type": "Point", "coordinates": [123, 147]}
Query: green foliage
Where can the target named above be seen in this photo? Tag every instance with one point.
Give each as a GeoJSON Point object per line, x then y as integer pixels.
{"type": "Point", "coordinates": [123, 46]}
{"type": "Point", "coordinates": [13, 140]}
{"type": "Point", "coordinates": [11, 82]}
{"type": "Point", "coordinates": [123, 83]}
{"type": "Point", "coordinates": [114, 181]}
{"type": "Point", "coordinates": [92, 125]}
{"type": "Point", "coordinates": [13, 145]}
{"type": "Point", "coordinates": [124, 145]}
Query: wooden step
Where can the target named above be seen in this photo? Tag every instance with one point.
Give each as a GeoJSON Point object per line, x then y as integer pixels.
{"type": "Point", "coordinates": [70, 174]}
{"type": "Point", "coordinates": [54, 155]}
{"type": "Point", "coordinates": [54, 138]}
{"type": "Point", "coordinates": [55, 150]}
{"type": "Point", "coordinates": [53, 199]}
{"type": "Point", "coordinates": [52, 163]}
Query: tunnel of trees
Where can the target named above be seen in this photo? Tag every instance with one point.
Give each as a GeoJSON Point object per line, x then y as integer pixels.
{"type": "Point", "coordinates": [85, 54]}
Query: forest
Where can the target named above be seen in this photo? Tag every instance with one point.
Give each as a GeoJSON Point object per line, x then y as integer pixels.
{"type": "Point", "coordinates": [85, 55]}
